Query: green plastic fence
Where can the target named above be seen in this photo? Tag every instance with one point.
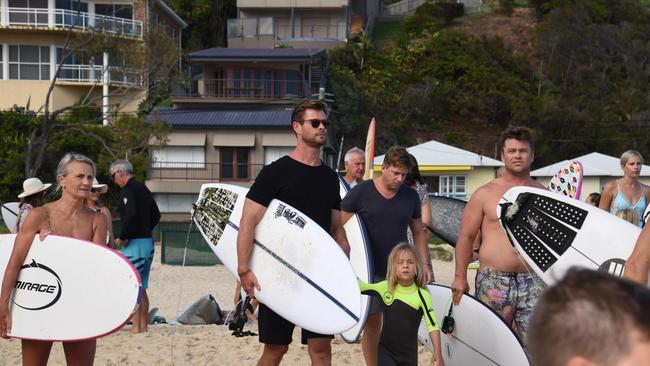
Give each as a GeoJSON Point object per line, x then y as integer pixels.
{"type": "Point", "coordinates": [173, 247]}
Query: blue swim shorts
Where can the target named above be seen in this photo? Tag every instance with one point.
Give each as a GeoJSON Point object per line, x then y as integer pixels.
{"type": "Point", "coordinates": [140, 252]}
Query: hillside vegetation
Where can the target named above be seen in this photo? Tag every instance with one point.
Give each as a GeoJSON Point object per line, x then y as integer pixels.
{"type": "Point", "coordinates": [576, 72]}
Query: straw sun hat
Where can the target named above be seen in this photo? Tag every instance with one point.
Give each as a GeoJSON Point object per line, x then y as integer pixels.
{"type": "Point", "coordinates": [32, 186]}
{"type": "Point", "coordinates": [103, 188]}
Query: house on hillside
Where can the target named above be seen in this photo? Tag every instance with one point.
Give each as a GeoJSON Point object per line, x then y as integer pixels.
{"type": "Point", "coordinates": [598, 169]}
{"type": "Point", "coordinates": [299, 23]}
{"type": "Point", "coordinates": [32, 35]}
{"type": "Point", "coordinates": [448, 170]}
{"type": "Point", "coordinates": [231, 120]}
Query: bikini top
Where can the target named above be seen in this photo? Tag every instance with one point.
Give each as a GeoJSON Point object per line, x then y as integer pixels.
{"type": "Point", "coordinates": [620, 203]}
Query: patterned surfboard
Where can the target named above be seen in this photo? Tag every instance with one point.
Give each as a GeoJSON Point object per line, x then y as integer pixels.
{"type": "Point", "coordinates": [568, 180]}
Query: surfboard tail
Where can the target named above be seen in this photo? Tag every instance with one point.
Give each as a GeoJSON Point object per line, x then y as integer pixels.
{"type": "Point", "coordinates": [370, 150]}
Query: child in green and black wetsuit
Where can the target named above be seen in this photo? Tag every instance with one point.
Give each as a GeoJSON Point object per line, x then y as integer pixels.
{"type": "Point", "coordinates": [405, 300]}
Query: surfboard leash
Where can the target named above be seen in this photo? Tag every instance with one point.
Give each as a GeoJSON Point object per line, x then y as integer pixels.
{"type": "Point", "coordinates": [8, 209]}
{"type": "Point", "coordinates": [180, 280]}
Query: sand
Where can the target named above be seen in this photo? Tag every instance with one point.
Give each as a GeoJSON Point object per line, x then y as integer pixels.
{"type": "Point", "coordinates": [174, 288]}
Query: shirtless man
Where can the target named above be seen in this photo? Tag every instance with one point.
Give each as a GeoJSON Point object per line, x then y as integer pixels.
{"type": "Point", "coordinates": [503, 280]}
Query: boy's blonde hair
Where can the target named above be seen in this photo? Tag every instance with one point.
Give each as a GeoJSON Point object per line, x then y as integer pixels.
{"type": "Point", "coordinates": [391, 275]}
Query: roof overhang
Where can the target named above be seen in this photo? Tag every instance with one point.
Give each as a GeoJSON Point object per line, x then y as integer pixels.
{"type": "Point", "coordinates": [181, 139]}
{"type": "Point", "coordinates": [171, 13]}
{"type": "Point", "coordinates": [276, 139]}
{"type": "Point", "coordinates": [236, 139]}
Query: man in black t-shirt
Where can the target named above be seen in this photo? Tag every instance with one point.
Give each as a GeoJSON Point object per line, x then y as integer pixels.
{"type": "Point", "coordinates": [304, 182]}
{"type": "Point", "coordinates": [387, 207]}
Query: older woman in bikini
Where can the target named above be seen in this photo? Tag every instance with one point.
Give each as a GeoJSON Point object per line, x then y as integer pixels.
{"type": "Point", "coordinates": [67, 216]}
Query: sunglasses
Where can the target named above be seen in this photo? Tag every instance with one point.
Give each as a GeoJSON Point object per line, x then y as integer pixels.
{"type": "Point", "coordinates": [95, 190]}
{"type": "Point", "coordinates": [317, 122]}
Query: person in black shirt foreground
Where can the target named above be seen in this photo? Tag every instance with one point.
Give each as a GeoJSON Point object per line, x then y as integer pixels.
{"type": "Point", "coordinates": [303, 181]}
{"type": "Point", "coordinates": [139, 215]}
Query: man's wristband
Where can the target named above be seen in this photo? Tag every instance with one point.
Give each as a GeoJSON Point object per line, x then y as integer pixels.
{"type": "Point", "coordinates": [243, 272]}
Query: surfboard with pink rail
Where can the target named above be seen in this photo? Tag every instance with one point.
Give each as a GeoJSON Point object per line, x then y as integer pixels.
{"type": "Point", "coordinates": [70, 289]}
{"type": "Point", "coordinates": [568, 180]}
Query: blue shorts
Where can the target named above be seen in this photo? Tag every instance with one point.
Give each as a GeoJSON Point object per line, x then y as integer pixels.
{"type": "Point", "coordinates": [140, 252]}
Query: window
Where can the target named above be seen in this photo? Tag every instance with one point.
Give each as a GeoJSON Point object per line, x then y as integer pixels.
{"type": "Point", "coordinates": [179, 157]}
{"type": "Point", "coordinates": [29, 62]}
{"type": "Point", "coordinates": [453, 186]}
{"type": "Point", "coordinates": [234, 163]}
{"type": "Point", "coordinates": [111, 11]}
{"type": "Point", "coordinates": [273, 153]}
{"type": "Point", "coordinates": [70, 17]}
{"type": "Point", "coordinates": [174, 203]}
{"type": "Point", "coordinates": [27, 17]}
{"type": "Point", "coordinates": [124, 11]}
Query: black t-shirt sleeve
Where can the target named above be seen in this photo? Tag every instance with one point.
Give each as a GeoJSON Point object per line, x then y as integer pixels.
{"type": "Point", "coordinates": [265, 186]}
{"type": "Point", "coordinates": [336, 193]}
{"type": "Point", "coordinates": [350, 202]}
{"type": "Point", "coordinates": [417, 212]}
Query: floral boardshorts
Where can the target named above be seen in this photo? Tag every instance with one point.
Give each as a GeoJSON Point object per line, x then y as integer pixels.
{"type": "Point", "coordinates": [512, 295]}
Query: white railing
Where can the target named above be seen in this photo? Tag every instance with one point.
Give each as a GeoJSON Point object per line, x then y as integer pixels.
{"type": "Point", "coordinates": [93, 74]}
{"type": "Point", "coordinates": [60, 18]}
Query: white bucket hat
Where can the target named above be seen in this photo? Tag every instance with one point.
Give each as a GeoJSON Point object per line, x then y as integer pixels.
{"type": "Point", "coordinates": [103, 188]}
{"type": "Point", "coordinates": [32, 186]}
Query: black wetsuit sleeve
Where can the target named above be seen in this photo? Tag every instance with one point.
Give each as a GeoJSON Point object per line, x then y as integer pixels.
{"type": "Point", "coordinates": [155, 214]}
{"type": "Point", "coordinates": [128, 212]}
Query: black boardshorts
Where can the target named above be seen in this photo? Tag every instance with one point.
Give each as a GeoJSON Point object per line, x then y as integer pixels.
{"type": "Point", "coordinates": [275, 329]}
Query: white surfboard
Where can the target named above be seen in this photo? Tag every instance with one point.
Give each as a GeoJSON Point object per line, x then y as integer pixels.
{"type": "Point", "coordinates": [304, 275]}
{"type": "Point", "coordinates": [646, 215]}
{"type": "Point", "coordinates": [480, 337]}
{"type": "Point", "coordinates": [70, 290]}
{"type": "Point", "coordinates": [361, 260]}
{"type": "Point", "coordinates": [10, 214]}
{"type": "Point", "coordinates": [554, 232]}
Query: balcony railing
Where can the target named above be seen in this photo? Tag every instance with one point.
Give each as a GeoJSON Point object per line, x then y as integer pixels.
{"type": "Point", "coordinates": [61, 18]}
{"type": "Point", "coordinates": [208, 172]}
{"type": "Point", "coordinates": [249, 88]}
{"type": "Point", "coordinates": [93, 74]}
{"type": "Point", "coordinates": [267, 26]}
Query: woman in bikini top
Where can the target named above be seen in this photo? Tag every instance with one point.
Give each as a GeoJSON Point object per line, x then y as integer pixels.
{"type": "Point", "coordinates": [627, 193]}
{"type": "Point", "coordinates": [66, 217]}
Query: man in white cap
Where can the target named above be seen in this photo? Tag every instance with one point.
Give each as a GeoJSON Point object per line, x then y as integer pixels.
{"type": "Point", "coordinates": [30, 198]}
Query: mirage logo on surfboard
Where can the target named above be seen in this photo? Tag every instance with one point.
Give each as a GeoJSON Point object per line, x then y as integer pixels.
{"type": "Point", "coordinates": [38, 287]}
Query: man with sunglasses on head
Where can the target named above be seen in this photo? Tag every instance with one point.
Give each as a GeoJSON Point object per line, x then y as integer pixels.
{"type": "Point", "coordinates": [303, 181]}
{"type": "Point", "coordinates": [139, 215]}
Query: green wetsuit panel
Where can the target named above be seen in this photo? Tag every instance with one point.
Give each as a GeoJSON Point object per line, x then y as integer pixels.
{"type": "Point", "coordinates": [403, 311]}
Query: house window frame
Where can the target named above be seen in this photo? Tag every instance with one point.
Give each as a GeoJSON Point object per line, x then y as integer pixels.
{"type": "Point", "coordinates": [178, 164]}
{"type": "Point", "coordinates": [43, 65]}
{"type": "Point", "coordinates": [448, 185]}
{"type": "Point", "coordinates": [234, 164]}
